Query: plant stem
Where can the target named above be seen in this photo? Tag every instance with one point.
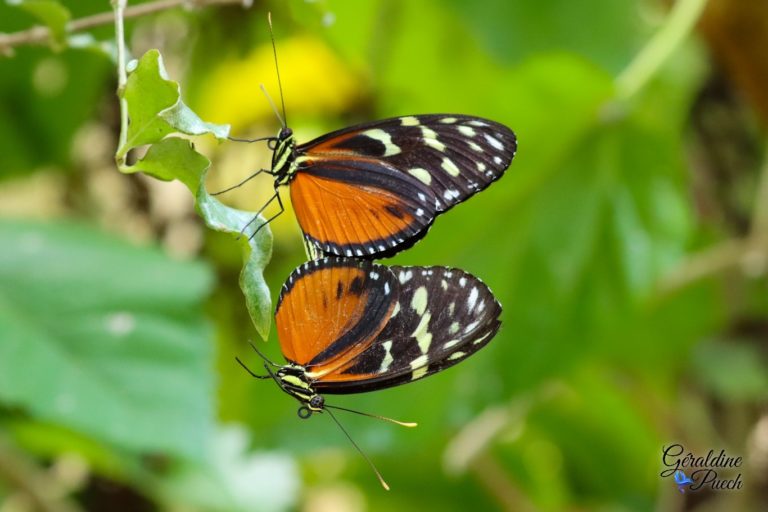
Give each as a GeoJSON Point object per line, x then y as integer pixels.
{"type": "Point", "coordinates": [41, 35]}
{"type": "Point", "coordinates": [662, 45]}
{"type": "Point", "coordinates": [122, 79]}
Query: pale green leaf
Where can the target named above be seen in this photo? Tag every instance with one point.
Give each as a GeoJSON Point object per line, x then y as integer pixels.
{"type": "Point", "coordinates": [106, 338]}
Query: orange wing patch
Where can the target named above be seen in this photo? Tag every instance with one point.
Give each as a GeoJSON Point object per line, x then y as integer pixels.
{"type": "Point", "coordinates": [343, 210]}
{"type": "Point", "coordinates": [327, 315]}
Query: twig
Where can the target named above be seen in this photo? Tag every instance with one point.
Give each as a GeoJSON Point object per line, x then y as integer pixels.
{"type": "Point", "coordinates": [677, 26]}
{"type": "Point", "coordinates": [759, 225]}
{"type": "Point", "coordinates": [41, 35]}
{"type": "Point", "coordinates": [749, 253]}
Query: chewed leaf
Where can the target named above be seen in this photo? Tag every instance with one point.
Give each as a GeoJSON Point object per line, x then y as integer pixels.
{"type": "Point", "coordinates": [175, 158]}
{"type": "Point", "coordinates": [155, 108]}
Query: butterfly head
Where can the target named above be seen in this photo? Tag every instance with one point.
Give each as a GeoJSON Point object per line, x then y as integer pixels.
{"type": "Point", "coordinates": [293, 379]}
{"type": "Point", "coordinates": [283, 159]}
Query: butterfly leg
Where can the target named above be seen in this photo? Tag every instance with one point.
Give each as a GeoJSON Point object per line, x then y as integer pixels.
{"type": "Point", "coordinates": [246, 180]}
{"type": "Point", "coordinates": [282, 209]}
{"type": "Point", "coordinates": [250, 372]}
{"type": "Point", "coordinates": [256, 216]}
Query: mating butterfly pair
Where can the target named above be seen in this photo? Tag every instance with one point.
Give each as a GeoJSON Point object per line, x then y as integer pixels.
{"type": "Point", "coordinates": [348, 325]}
{"type": "Point", "coordinates": [370, 191]}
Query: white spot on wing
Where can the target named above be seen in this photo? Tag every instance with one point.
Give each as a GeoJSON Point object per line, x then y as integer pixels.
{"type": "Point", "coordinates": [497, 160]}
{"type": "Point", "coordinates": [421, 174]}
{"type": "Point", "coordinates": [481, 166]}
{"type": "Point", "coordinates": [455, 355]}
{"type": "Point", "coordinates": [449, 167]}
{"type": "Point", "coordinates": [405, 276]}
{"type": "Point", "coordinates": [463, 282]}
{"type": "Point", "coordinates": [451, 194]}
{"type": "Point", "coordinates": [419, 300]}
{"type": "Point", "coordinates": [451, 343]}
{"type": "Point", "coordinates": [471, 326]}
{"type": "Point", "coordinates": [467, 130]}
{"type": "Point", "coordinates": [386, 288]}
{"type": "Point", "coordinates": [409, 121]}
{"type": "Point", "coordinates": [422, 335]}
{"type": "Point", "coordinates": [378, 134]}
{"type": "Point", "coordinates": [430, 139]}
{"type": "Point", "coordinates": [472, 299]}
{"type": "Point", "coordinates": [448, 120]}
{"type": "Point", "coordinates": [493, 141]}
{"type": "Point", "coordinates": [387, 345]}
{"type": "Point", "coordinates": [475, 146]}
{"type": "Point", "coordinates": [453, 329]}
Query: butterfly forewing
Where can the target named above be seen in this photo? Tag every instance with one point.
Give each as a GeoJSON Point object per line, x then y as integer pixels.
{"type": "Point", "coordinates": [441, 317]}
{"type": "Point", "coordinates": [419, 166]}
{"type": "Point", "coordinates": [360, 208]}
{"type": "Point", "coordinates": [331, 310]}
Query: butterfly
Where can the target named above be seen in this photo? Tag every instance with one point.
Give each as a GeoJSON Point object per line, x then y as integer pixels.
{"type": "Point", "coordinates": [374, 189]}
{"type": "Point", "coordinates": [352, 326]}
{"type": "Point", "coordinates": [681, 479]}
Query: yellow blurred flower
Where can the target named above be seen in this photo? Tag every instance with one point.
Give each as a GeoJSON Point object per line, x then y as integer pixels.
{"type": "Point", "coordinates": [315, 82]}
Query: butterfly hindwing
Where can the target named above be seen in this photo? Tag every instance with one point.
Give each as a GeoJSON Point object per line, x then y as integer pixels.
{"type": "Point", "coordinates": [418, 166]}
{"type": "Point", "coordinates": [331, 309]}
{"type": "Point", "coordinates": [441, 317]}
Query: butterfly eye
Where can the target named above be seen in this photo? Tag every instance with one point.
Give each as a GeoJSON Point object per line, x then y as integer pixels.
{"type": "Point", "coordinates": [317, 402]}
{"type": "Point", "coordinates": [285, 133]}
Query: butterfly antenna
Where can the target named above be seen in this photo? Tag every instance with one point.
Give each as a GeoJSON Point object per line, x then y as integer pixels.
{"type": "Point", "coordinates": [376, 471]}
{"type": "Point", "coordinates": [272, 103]}
{"type": "Point", "coordinates": [279, 82]}
{"type": "Point", "coordinates": [409, 424]}
{"type": "Point", "coordinates": [265, 358]}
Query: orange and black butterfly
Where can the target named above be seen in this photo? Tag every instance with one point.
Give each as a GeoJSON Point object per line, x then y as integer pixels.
{"type": "Point", "coordinates": [374, 189]}
{"type": "Point", "coordinates": [351, 326]}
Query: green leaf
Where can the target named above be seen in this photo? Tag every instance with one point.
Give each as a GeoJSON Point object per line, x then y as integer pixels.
{"type": "Point", "coordinates": [175, 158]}
{"type": "Point", "coordinates": [155, 108]}
{"type": "Point", "coordinates": [106, 338]}
{"type": "Point", "coordinates": [156, 111]}
{"type": "Point", "coordinates": [734, 371]}
{"type": "Point", "coordinates": [49, 12]}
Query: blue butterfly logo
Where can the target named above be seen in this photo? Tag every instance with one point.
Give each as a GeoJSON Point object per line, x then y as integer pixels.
{"type": "Point", "coordinates": [681, 479]}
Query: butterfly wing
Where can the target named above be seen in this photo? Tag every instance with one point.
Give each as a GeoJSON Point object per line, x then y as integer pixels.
{"type": "Point", "coordinates": [374, 189]}
{"type": "Point", "coordinates": [330, 310]}
{"type": "Point", "coordinates": [441, 317]}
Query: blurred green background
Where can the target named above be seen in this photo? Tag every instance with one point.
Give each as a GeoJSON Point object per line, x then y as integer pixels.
{"type": "Point", "coordinates": [628, 244]}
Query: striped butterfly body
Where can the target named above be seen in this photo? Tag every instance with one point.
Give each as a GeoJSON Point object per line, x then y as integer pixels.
{"type": "Point", "coordinates": [372, 190]}
{"type": "Point", "coordinates": [350, 326]}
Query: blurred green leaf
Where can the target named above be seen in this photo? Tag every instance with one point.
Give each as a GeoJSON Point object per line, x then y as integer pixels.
{"type": "Point", "coordinates": [105, 337]}
{"type": "Point", "coordinates": [513, 31]}
{"type": "Point", "coordinates": [734, 371]}
{"type": "Point", "coordinates": [50, 12]}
